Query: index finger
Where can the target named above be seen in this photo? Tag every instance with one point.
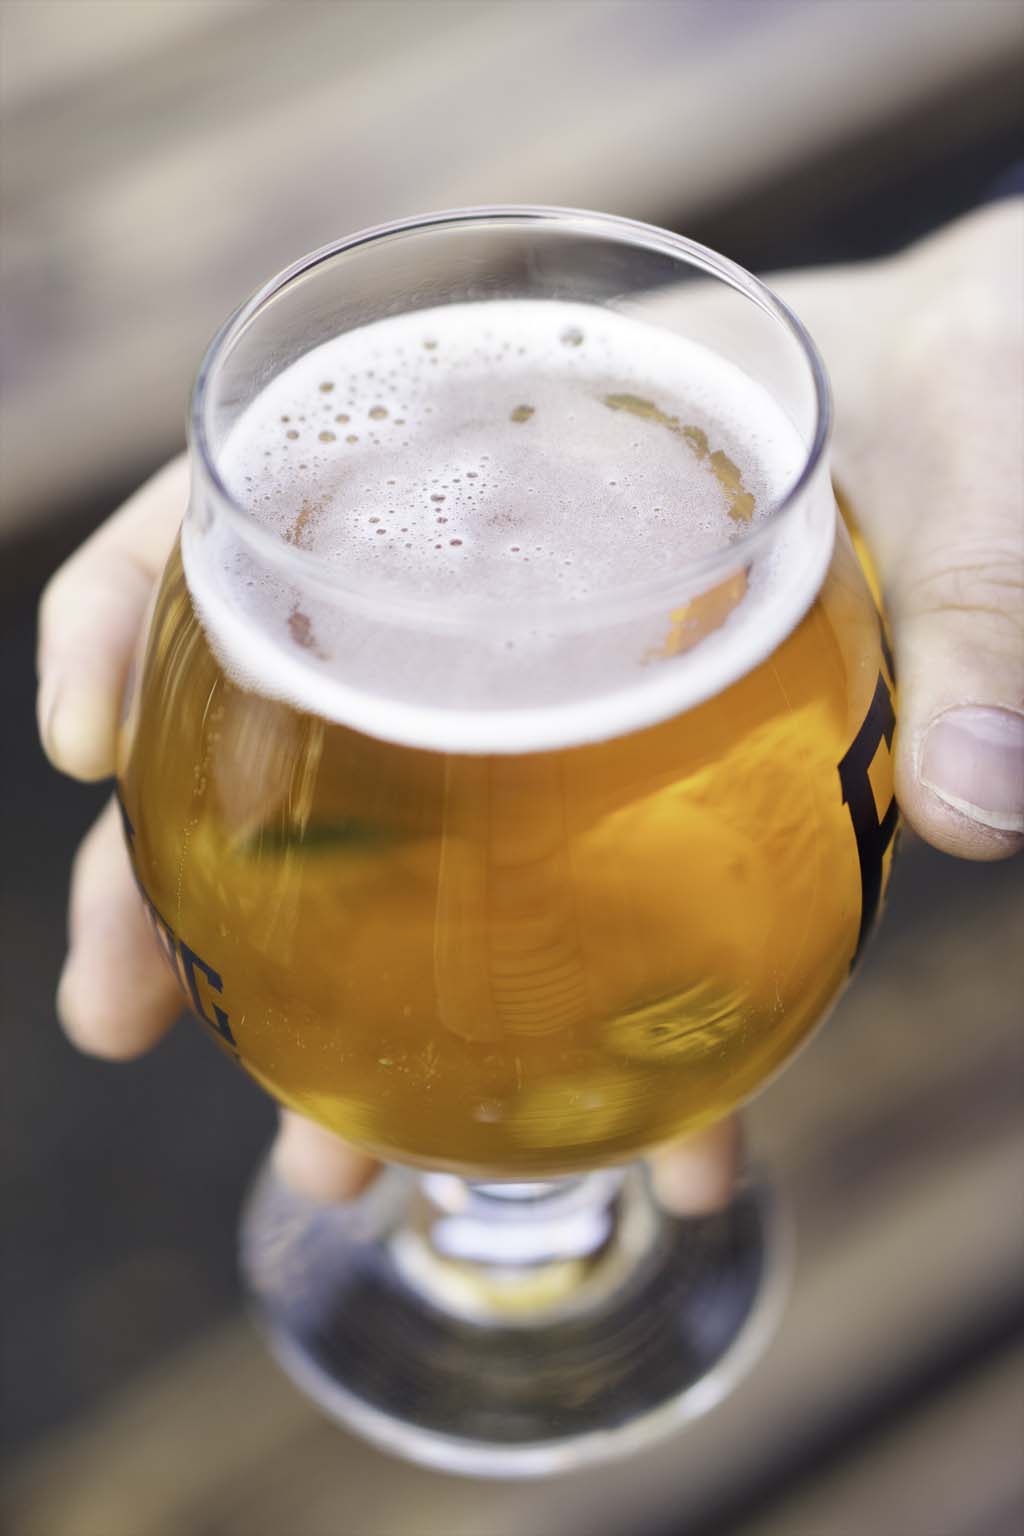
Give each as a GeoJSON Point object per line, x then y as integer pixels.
{"type": "Point", "coordinates": [89, 619]}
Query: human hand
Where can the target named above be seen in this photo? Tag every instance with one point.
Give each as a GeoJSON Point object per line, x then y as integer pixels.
{"type": "Point", "coordinates": [924, 354]}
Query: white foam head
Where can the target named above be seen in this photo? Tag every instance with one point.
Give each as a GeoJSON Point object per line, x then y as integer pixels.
{"type": "Point", "coordinates": [478, 520]}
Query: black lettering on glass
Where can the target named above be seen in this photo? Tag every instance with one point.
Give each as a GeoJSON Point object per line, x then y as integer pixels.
{"type": "Point", "coordinates": [162, 930]}
{"type": "Point", "coordinates": [873, 836]}
{"type": "Point", "coordinates": [191, 963]}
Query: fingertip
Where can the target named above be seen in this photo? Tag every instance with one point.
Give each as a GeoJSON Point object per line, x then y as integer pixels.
{"type": "Point", "coordinates": [960, 782]}
{"type": "Point", "coordinates": [76, 728]}
{"type": "Point", "coordinates": [101, 1026]}
{"type": "Point", "coordinates": [90, 616]}
{"type": "Point", "coordinates": [116, 996]}
{"type": "Point", "coordinates": [951, 829]}
{"type": "Point", "coordinates": [697, 1177]}
{"type": "Point", "coordinates": [317, 1164]}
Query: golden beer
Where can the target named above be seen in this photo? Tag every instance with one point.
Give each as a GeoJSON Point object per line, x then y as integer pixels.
{"type": "Point", "coordinates": [508, 962]}
{"type": "Point", "coordinates": [516, 965]}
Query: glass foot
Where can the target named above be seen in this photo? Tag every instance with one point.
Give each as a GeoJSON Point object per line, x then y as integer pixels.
{"type": "Point", "coordinates": [512, 1330]}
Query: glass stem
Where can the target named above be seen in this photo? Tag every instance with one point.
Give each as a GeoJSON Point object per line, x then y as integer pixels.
{"type": "Point", "coordinates": [508, 1252]}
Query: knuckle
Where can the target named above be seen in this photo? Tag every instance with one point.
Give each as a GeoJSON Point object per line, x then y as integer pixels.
{"type": "Point", "coordinates": [60, 602]}
{"type": "Point", "coordinates": [983, 587]}
{"type": "Point", "coordinates": [101, 585]}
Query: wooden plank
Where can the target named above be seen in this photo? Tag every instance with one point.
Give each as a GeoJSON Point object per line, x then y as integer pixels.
{"type": "Point", "coordinates": [52, 46]}
{"type": "Point", "coordinates": [146, 193]}
{"type": "Point", "coordinates": [953, 1467]}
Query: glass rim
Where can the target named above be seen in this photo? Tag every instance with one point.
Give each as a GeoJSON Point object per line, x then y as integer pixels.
{"type": "Point", "coordinates": [694, 574]}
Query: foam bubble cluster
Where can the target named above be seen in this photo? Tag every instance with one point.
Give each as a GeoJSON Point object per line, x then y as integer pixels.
{"type": "Point", "coordinates": [496, 457]}
{"type": "Point", "coordinates": [482, 450]}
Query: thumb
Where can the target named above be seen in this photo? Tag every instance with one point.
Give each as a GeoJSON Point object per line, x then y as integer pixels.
{"type": "Point", "coordinates": [924, 350]}
{"type": "Point", "coordinates": [955, 579]}
{"type": "Point", "coordinates": [958, 617]}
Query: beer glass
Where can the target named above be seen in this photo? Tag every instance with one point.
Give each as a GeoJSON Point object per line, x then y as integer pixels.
{"type": "Point", "coordinates": [507, 775]}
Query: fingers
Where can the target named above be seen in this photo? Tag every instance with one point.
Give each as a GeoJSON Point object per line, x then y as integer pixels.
{"type": "Point", "coordinates": [929, 395]}
{"type": "Point", "coordinates": [697, 1176]}
{"type": "Point", "coordinates": [116, 995]}
{"type": "Point", "coordinates": [89, 621]}
{"type": "Point", "coordinates": [317, 1164]}
{"type": "Point", "coordinates": [691, 1178]}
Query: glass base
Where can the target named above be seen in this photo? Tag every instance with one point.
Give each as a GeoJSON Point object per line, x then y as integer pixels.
{"type": "Point", "coordinates": [512, 1330]}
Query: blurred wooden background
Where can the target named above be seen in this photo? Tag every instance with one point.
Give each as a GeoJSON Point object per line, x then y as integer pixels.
{"type": "Point", "coordinates": [159, 158]}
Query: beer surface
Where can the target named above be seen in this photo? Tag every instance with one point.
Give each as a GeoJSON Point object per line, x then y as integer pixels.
{"type": "Point", "coordinates": [460, 503]}
{"type": "Point", "coordinates": [514, 963]}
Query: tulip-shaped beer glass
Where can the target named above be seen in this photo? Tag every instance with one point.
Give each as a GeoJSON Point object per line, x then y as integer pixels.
{"type": "Point", "coordinates": [508, 779]}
